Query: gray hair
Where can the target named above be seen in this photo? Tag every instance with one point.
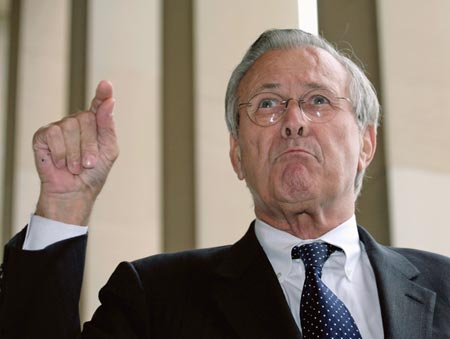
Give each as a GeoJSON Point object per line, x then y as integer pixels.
{"type": "Point", "coordinates": [362, 93]}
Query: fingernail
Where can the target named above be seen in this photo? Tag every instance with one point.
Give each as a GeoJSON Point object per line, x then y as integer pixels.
{"type": "Point", "coordinates": [88, 161]}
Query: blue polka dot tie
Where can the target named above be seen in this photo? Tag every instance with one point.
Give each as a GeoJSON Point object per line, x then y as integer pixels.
{"type": "Point", "coordinates": [322, 314]}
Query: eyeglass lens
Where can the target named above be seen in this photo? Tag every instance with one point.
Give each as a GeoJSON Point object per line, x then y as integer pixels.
{"type": "Point", "coordinates": [317, 105]}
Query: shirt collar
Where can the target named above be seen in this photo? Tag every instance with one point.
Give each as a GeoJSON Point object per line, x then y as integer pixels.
{"type": "Point", "coordinates": [277, 244]}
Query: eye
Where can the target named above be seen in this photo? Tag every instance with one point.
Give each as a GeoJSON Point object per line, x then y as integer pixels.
{"type": "Point", "coordinates": [268, 103]}
{"type": "Point", "coordinates": [319, 100]}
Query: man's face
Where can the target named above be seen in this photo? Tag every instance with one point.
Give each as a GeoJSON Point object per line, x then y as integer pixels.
{"type": "Point", "coordinates": [290, 171]}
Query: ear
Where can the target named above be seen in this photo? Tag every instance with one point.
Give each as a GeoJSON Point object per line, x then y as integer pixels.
{"type": "Point", "coordinates": [368, 146]}
{"type": "Point", "coordinates": [235, 157]}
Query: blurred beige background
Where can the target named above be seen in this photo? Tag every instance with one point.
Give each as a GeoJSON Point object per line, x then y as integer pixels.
{"type": "Point", "coordinates": [169, 60]}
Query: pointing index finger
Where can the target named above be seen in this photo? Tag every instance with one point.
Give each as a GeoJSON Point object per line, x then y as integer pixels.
{"type": "Point", "coordinates": [103, 92]}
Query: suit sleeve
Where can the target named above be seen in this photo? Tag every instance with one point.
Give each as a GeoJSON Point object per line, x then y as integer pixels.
{"type": "Point", "coordinates": [123, 312]}
{"type": "Point", "coordinates": [40, 293]}
{"type": "Point", "coordinates": [40, 290]}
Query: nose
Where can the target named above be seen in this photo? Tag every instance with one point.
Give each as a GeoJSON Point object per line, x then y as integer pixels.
{"type": "Point", "coordinates": [294, 122]}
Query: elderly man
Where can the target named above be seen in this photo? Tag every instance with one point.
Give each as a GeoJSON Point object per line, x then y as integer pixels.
{"type": "Point", "coordinates": [302, 121]}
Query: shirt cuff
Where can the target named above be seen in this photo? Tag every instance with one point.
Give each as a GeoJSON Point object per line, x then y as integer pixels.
{"type": "Point", "coordinates": [42, 232]}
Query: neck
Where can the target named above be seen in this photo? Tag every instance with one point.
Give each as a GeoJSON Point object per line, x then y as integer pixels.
{"type": "Point", "coordinates": [305, 222]}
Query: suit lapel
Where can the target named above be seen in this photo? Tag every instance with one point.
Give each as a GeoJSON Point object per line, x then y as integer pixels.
{"type": "Point", "coordinates": [407, 308]}
{"type": "Point", "coordinates": [249, 294]}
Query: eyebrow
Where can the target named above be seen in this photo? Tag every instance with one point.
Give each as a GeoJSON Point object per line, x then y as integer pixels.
{"type": "Point", "coordinates": [270, 85]}
{"type": "Point", "coordinates": [275, 85]}
{"type": "Point", "coordinates": [314, 85]}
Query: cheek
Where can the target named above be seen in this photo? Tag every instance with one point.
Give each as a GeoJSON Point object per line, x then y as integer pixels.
{"type": "Point", "coordinates": [256, 158]}
{"type": "Point", "coordinates": [351, 150]}
{"type": "Point", "coordinates": [343, 150]}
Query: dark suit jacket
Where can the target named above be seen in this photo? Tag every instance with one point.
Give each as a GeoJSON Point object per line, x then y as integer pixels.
{"type": "Point", "coordinates": [223, 292]}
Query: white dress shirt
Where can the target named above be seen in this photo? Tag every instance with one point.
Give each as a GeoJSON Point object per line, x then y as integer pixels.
{"type": "Point", "coordinates": [347, 273]}
{"type": "Point", "coordinates": [42, 232]}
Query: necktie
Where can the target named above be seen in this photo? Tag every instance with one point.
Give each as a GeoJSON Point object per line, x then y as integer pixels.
{"type": "Point", "coordinates": [322, 314]}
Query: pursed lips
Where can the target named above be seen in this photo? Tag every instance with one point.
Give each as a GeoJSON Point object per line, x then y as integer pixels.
{"type": "Point", "coordinates": [294, 151]}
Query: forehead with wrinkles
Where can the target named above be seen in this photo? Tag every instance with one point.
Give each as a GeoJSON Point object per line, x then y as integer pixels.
{"type": "Point", "coordinates": [297, 67]}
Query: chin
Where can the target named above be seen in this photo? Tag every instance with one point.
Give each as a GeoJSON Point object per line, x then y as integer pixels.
{"type": "Point", "coordinates": [294, 183]}
{"type": "Point", "coordinates": [294, 195]}
{"type": "Point", "coordinates": [295, 179]}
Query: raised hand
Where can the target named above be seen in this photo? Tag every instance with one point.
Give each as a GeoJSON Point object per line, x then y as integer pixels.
{"type": "Point", "coordinates": [73, 157]}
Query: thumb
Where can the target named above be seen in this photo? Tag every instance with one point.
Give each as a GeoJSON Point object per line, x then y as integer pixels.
{"type": "Point", "coordinates": [105, 122]}
{"type": "Point", "coordinates": [103, 91]}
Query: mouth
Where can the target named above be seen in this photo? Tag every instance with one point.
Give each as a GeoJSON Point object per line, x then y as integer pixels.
{"type": "Point", "coordinates": [294, 152]}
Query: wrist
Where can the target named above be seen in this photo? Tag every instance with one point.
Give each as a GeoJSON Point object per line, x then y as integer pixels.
{"type": "Point", "coordinates": [71, 209]}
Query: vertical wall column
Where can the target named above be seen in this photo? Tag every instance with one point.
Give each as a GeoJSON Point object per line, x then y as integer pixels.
{"type": "Point", "coordinates": [352, 25]}
{"type": "Point", "coordinates": [9, 49]}
{"type": "Point", "coordinates": [41, 91]}
{"type": "Point", "coordinates": [415, 55]}
{"type": "Point", "coordinates": [124, 47]}
{"type": "Point", "coordinates": [178, 126]}
{"type": "Point", "coordinates": [307, 16]}
{"type": "Point", "coordinates": [78, 55]}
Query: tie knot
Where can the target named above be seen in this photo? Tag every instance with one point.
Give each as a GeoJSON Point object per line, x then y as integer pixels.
{"type": "Point", "coordinates": [314, 254]}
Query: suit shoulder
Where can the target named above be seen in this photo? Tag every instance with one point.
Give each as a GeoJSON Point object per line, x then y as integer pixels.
{"type": "Point", "coordinates": [434, 269]}
{"type": "Point", "coordinates": [425, 259]}
{"type": "Point", "coordinates": [198, 261]}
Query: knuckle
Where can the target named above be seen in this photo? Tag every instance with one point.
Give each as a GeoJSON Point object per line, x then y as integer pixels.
{"type": "Point", "coordinates": [86, 117]}
{"type": "Point", "coordinates": [52, 131]}
{"type": "Point", "coordinates": [38, 134]}
{"type": "Point", "coordinates": [69, 124]}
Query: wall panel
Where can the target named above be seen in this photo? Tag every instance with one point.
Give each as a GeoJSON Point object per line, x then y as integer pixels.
{"type": "Point", "coordinates": [124, 47]}
{"type": "Point", "coordinates": [41, 91]}
{"type": "Point", "coordinates": [415, 58]}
